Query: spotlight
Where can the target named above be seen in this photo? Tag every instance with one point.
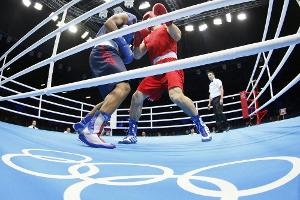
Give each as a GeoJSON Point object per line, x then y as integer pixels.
{"type": "Point", "coordinates": [73, 29]}
{"type": "Point", "coordinates": [128, 3]}
{"type": "Point", "coordinates": [38, 6]}
{"type": "Point", "coordinates": [189, 28]}
{"type": "Point", "coordinates": [217, 21]}
{"type": "Point", "coordinates": [88, 97]}
{"type": "Point", "coordinates": [242, 16]}
{"type": "Point", "coordinates": [203, 27]}
{"type": "Point", "coordinates": [27, 3]}
{"type": "Point", "coordinates": [144, 5]}
{"type": "Point", "coordinates": [228, 17]}
{"type": "Point", "coordinates": [85, 34]}
{"type": "Point", "coordinates": [103, 14]}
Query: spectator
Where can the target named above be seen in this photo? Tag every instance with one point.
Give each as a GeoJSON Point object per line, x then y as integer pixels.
{"type": "Point", "coordinates": [193, 132]}
{"type": "Point", "coordinates": [187, 132]}
{"type": "Point", "coordinates": [33, 125]}
{"type": "Point", "coordinates": [68, 130]}
{"type": "Point", "coordinates": [107, 132]}
{"type": "Point", "coordinates": [214, 129]}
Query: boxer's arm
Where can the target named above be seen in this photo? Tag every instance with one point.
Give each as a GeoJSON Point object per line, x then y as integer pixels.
{"type": "Point", "coordinates": [174, 32]}
{"type": "Point", "coordinates": [140, 51]}
{"type": "Point", "coordinates": [116, 20]}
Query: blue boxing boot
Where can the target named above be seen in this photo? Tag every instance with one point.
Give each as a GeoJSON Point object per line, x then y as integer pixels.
{"type": "Point", "coordinates": [201, 128]}
{"type": "Point", "coordinates": [79, 126]}
{"type": "Point", "coordinates": [131, 135]}
{"type": "Point", "coordinates": [89, 135]}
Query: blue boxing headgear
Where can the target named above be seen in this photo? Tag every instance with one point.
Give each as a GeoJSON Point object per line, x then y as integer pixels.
{"type": "Point", "coordinates": [131, 19]}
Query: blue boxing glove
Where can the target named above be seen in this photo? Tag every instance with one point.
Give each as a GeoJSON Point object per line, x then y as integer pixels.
{"type": "Point", "coordinates": [128, 37]}
{"type": "Point", "coordinates": [125, 51]}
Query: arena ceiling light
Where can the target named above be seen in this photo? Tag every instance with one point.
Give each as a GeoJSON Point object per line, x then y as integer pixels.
{"type": "Point", "coordinates": [217, 21]}
{"type": "Point", "coordinates": [54, 18]}
{"type": "Point", "coordinates": [228, 17]}
{"type": "Point", "coordinates": [203, 27]}
{"type": "Point", "coordinates": [144, 5]}
{"type": "Point", "coordinates": [27, 3]}
{"type": "Point", "coordinates": [103, 14]}
{"type": "Point", "coordinates": [88, 97]}
{"type": "Point", "coordinates": [73, 29]}
{"type": "Point", "coordinates": [189, 28]}
{"type": "Point", "coordinates": [38, 6]}
{"type": "Point", "coordinates": [242, 16]}
{"type": "Point", "coordinates": [83, 36]}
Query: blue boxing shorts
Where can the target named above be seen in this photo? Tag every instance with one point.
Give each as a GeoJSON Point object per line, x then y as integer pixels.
{"type": "Point", "coordinates": [105, 60]}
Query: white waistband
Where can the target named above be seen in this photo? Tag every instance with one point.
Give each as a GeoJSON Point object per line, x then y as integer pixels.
{"type": "Point", "coordinates": [109, 43]}
{"type": "Point", "coordinates": [171, 54]}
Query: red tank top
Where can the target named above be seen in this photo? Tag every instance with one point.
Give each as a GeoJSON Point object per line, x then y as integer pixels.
{"type": "Point", "coordinates": [159, 43]}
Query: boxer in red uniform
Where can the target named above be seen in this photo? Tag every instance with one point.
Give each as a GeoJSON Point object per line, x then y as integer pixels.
{"type": "Point", "coordinates": [160, 43]}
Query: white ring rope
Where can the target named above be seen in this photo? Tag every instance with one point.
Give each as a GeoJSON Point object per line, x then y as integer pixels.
{"type": "Point", "coordinates": [119, 110]}
{"type": "Point", "coordinates": [270, 8]}
{"type": "Point", "coordinates": [45, 21]}
{"type": "Point", "coordinates": [141, 121]}
{"type": "Point", "coordinates": [45, 101]}
{"type": "Point", "coordinates": [63, 28]}
{"type": "Point", "coordinates": [279, 27]}
{"type": "Point", "coordinates": [170, 105]}
{"type": "Point", "coordinates": [281, 64]}
{"type": "Point", "coordinates": [54, 95]}
{"type": "Point", "coordinates": [181, 118]}
{"type": "Point", "coordinates": [201, 60]}
{"type": "Point", "coordinates": [182, 125]}
{"type": "Point", "coordinates": [196, 9]}
{"type": "Point", "coordinates": [118, 115]}
{"type": "Point", "coordinates": [286, 88]}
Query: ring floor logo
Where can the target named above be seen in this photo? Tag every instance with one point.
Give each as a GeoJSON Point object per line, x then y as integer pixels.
{"type": "Point", "coordinates": [228, 191]}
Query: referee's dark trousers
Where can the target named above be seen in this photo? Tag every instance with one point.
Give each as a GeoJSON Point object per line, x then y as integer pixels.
{"type": "Point", "coordinates": [221, 120]}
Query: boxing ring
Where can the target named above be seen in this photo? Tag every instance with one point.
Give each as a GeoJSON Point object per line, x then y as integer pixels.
{"type": "Point", "coordinates": [258, 162]}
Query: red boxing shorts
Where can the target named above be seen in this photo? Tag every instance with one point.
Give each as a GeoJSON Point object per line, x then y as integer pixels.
{"type": "Point", "coordinates": [154, 86]}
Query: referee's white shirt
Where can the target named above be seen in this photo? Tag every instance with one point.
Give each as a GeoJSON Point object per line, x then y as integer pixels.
{"type": "Point", "coordinates": [215, 88]}
{"type": "Point", "coordinates": [34, 127]}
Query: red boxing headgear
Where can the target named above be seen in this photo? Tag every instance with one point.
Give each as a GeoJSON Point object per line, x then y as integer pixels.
{"type": "Point", "coordinates": [148, 15]}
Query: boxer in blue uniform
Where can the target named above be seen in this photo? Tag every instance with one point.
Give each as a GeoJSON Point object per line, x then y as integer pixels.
{"type": "Point", "coordinates": [106, 58]}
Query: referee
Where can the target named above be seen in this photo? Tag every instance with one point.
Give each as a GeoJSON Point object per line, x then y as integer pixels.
{"type": "Point", "coordinates": [216, 94]}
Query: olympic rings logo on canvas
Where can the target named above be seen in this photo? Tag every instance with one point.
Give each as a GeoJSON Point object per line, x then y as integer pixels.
{"type": "Point", "coordinates": [228, 191]}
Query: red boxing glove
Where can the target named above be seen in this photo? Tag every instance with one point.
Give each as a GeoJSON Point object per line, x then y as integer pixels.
{"type": "Point", "coordinates": [160, 9]}
{"type": "Point", "coordinates": [139, 37]}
